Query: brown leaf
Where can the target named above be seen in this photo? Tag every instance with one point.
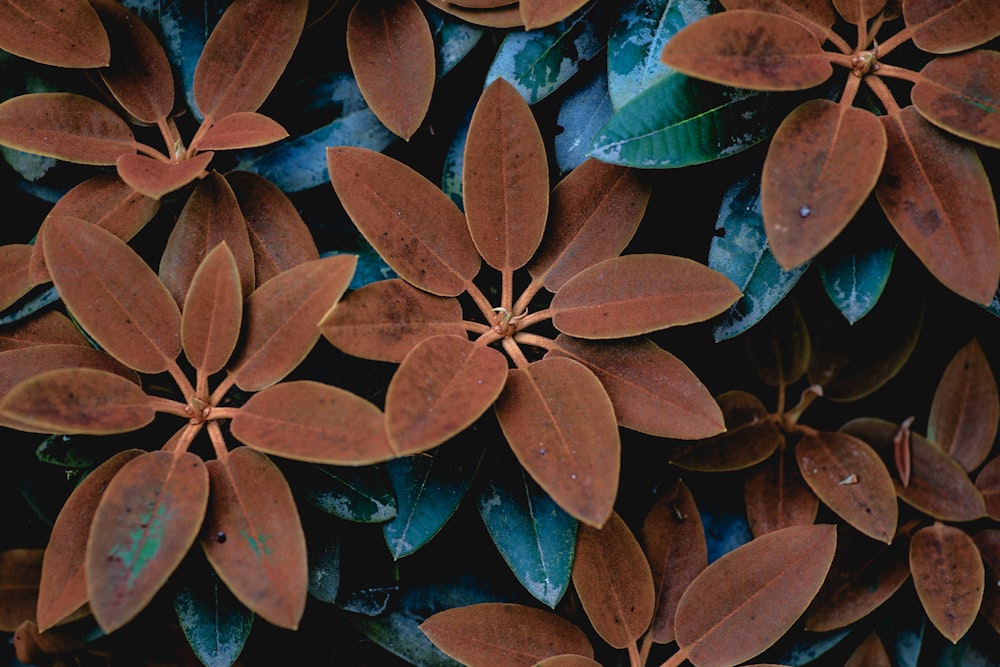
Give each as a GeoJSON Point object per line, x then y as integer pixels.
{"type": "Point", "coordinates": [966, 408]}
{"type": "Point", "coordinates": [23, 363]}
{"type": "Point", "coordinates": [652, 390]}
{"type": "Point", "coordinates": [747, 599]}
{"type": "Point", "coordinates": [567, 660]}
{"type": "Point", "coordinates": [253, 537]}
{"type": "Point", "coordinates": [243, 129]}
{"type": "Point", "coordinates": [858, 11]}
{"type": "Point", "coordinates": [506, 14]}
{"type": "Point", "coordinates": [749, 49]}
{"type": "Point", "coordinates": [779, 346]}
{"type": "Point", "coordinates": [988, 543]}
{"type": "Point", "coordinates": [246, 54]}
{"type": "Point", "coordinates": [498, 633]}
{"type": "Point", "coordinates": [939, 486]}
{"type": "Point", "coordinates": [949, 577]}
{"type": "Point", "coordinates": [561, 425]}
{"type": "Point", "coordinates": [144, 525]}
{"type": "Point", "coordinates": [14, 279]}
{"type": "Point", "coordinates": [31, 646]}
{"type": "Point", "coordinates": [951, 27]}
{"type": "Point", "coordinates": [613, 581]}
{"type": "Point", "coordinates": [63, 33]}
{"type": "Point", "coordinates": [113, 294]}
{"type": "Point", "coordinates": [594, 213]}
{"type": "Point", "coordinates": [282, 319]}
{"type": "Point", "coordinates": [541, 13]}
{"type": "Point", "coordinates": [47, 328]}
{"type": "Point", "coordinates": [386, 319]}
{"type": "Point", "coordinates": [636, 294]}
{"type": "Point", "coordinates": [210, 216]}
{"type": "Point", "coordinates": [505, 178]}
{"type": "Point", "coordinates": [871, 652]}
{"type": "Point", "coordinates": [988, 483]}
{"type": "Point", "coordinates": [954, 93]}
{"type": "Point", "coordinates": [312, 421]}
{"type": "Point", "coordinates": [674, 542]}
{"type": "Point", "coordinates": [213, 312]}
{"type": "Point", "coordinates": [816, 15]}
{"type": "Point", "coordinates": [823, 161]}
{"type": "Point", "coordinates": [63, 588]}
{"type": "Point", "coordinates": [20, 572]}
{"type": "Point", "coordinates": [391, 51]}
{"type": "Point", "coordinates": [155, 178]}
{"type": "Point", "coordinates": [139, 74]}
{"type": "Point", "coordinates": [937, 196]}
{"type": "Point", "coordinates": [416, 228]}
{"type": "Point", "coordinates": [776, 496]}
{"type": "Point", "coordinates": [66, 126]}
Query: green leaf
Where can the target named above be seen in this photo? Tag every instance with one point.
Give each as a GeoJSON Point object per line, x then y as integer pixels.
{"type": "Point", "coordinates": [680, 121]}
{"type": "Point", "coordinates": [637, 38]}
{"type": "Point", "coordinates": [582, 114]}
{"type": "Point", "coordinates": [739, 250]}
{"type": "Point", "coordinates": [361, 494]}
{"type": "Point", "coordinates": [453, 38]}
{"type": "Point", "coordinates": [214, 622]}
{"type": "Point", "coordinates": [428, 490]}
{"type": "Point", "coordinates": [854, 280]}
{"type": "Point", "coordinates": [534, 535]}
{"type": "Point", "coordinates": [324, 562]}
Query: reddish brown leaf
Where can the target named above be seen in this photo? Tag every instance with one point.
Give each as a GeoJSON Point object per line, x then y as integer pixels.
{"type": "Point", "coordinates": [595, 211]}
{"type": "Point", "coordinates": [311, 421]}
{"type": "Point", "coordinates": [751, 436]}
{"type": "Point", "coordinates": [444, 384]}
{"type": "Point", "coordinates": [949, 577]}
{"type": "Point", "coordinates": [966, 408]}
{"type": "Point", "coordinates": [391, 51]}
{"type": "Point", "coordinates": [505, 179]}
{"type": "Point", "coordinates": [144, 525]}
{"type": "Point", "coordinates": [560, 423]}
{"type": "Point", "coordinates": [988, 543]}
{"type": "Point", "coordinates": [779, 346]}
{"type": "Point", "coordinates": [951, 26]}
{"type": "Point", "coordinates": [155, 178]}
{"type": "Point", "coordinates": [777, 497]}
{"type": "Point", "coordinates": [48, 328]}
{"type": "Point", "coordinates": [63, 33]}
{"type": "Point", "coordinates": [65, 126]}
{"type": "Point", "coordinates": [14, 279]}
{"type": "Point", "coordinates": [282, 319]}
{"type": "Point", "coordinates": [23, 363]}
{"type": "Point", "coordinates": [63, 588]}
{"type": "Point", "coordinates": [674, 542]}
{"type": "Point", "coordinates": [849, 477]}
{"type": "Point", "coordinates": [871, 652]}
{"type": "Point", "coordinates": [213, 312]}
{"type": "Point", "coordinates": [637, 294]}
{"type": "Point", "coordinates": [937, 196]}
{"type": "Point", "coordinates": [496, 633]}
{"type": "Point", "coordinates": [817, 15]}
{"type": "Point", "coordinates": [901, 454]}
{"type": "Point", "coordinates": [567, 660]}
{"type": "Point", "coordinates": [747, 599]}
{"type": "Point", "coordinates": [652, 390]}
{"type": "Point", "coordinates": [113, 294]}
{"type": "Point", "coordinates": [278, 236]}
{"type": "Point", "coordinates": [139, 75]}
{"type": "Point", "coordinates": [416, 228]}
{"type": "Point", "coordinates": [823, 162]}
{"type": "Point", "coordinates": [542, 13]}
{"type": "Point", "coordinates": [749, 49]}
{"type": "Point", "coordinates": [33, 647]}
{"type": "Point", "coordinates": [20, 572]}
{"type": "Point", "coordinates": [210, 216]}
{"type": "Point", "coordinates": [384, 320]}
{"type": "Point", "coordinates": [245, 129]}
{"type": "Point", "coordinates": [939, 486]}
{"type": "Point", "coordinates": [613, 580]}
{"type": "Point", "coordinates": [954, 93]}
{"type": "Point", "coordinates": [858, 11]}
{"type": "Point", "coordinates": [246, 54]}
{"type": "Point", "coordinates": [505, 14]}
{"type": "Point", "coordinates": [253, 538]}
{"type": "Point", "coordinates": [988, 483]}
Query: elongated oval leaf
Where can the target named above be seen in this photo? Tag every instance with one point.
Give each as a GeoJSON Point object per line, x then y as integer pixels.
{"type": "Point", "coordinates": [583, 112]}
{"type": "Point", "coordinates": [779, 348]}
{"type": "Point", "coordinates": [496, 633]}
{"type": "Point", "coordinates": [952, 27]}
{"type": "Point", "coordinates": [311, 421]}
{"type": "Point", "coordinates": [744, 601]}
{"type": "Point", "coordinates": [48, 328]}
{"type": "Point", "coordinates": [870, 653]}
{"type": "Point", "coordinates": [23, 363]}
{"type": "Point", "coordinates": [988, 483]}
{"type": "Point", "coordinates": [243, 129]}
{"type": "Point", "coordinates": [567, 660]}
{"type": "Point", "coordinates": [949, 577]}
{"type": "Point", "coordinates": [20, 572]}
{"type": "Point", "coordinates": [413, 225]}
{"type": "Point", "coordinates": [817, 15]}
{"type": "Point", "coordinates": [505, 181]}
{"type": "Point", "coordinates": [453, 39]}
{"type": "Point", "coordinates": [561, 425]}
{"type": "Point", "coordinates": [253, 538]}
{"type": "Point", "coordinates": [145, 523]}
{"type": "Point", "coordinates": [361, 494]}
{"type": "Point", "coordinates": [855, 279]}
{"type": "Point", "coordinates": [502, 15]}
{"type": "Point", "coordinates": [637, 294]}
{"type": "Point", "coordinates": [444, 384]}
{"type": "Point", "coordinates": [15, 280]}
{"type": "Point", "coordinates": [215, 624]}
{"type": "Point", "coordinates": [213, 311]}
{"type": "Point", "coordinates": [953, 93]}
{"type": "Point", "coordinates": [540, 13]}
{"type": "Point", "coordinates": [54, 32]}
{"type": "Point", "coordinates": [777, 497]}
{"type": "Point", "coordinates": [155, 178]}
{"type": "Point", "coordinates": [66, 126]}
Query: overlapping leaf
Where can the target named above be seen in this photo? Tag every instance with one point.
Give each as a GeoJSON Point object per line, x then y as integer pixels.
{"type": "Point", "coordinates": [156, 178]}
{"type": "Point", "coordinates": [777, 497]}
{"type": "Point", "coordinates": [949, 576]}
{"type": "Point", "coordinates": [20, 571]}
{"type": "Point", "coordinates": [242, 129]}
{"type": "Point", "coordinates": [55, 32]}
{"type": "Point", "coordinates": [955, 27]}
{"type": "Point", "coordinates": [953, 93]}
{"type": "Point", "coordinates": [213, 311]}
{"type": "Point", "coordinates": [750, 437]}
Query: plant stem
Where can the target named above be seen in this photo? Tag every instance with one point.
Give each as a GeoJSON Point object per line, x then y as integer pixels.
{"type": "Point", "coordinates": [888, 45]}
{"type": "Point", "coordinates": [480, 299]}
{"type": "Point", "coordinates": [676, 659]}
{"type": "Point", "coordinates": [528, 294]}
{"type": "Point", "coordinates": [884, 95]}
{"type": "Point", "coordinates": [633, 655]}
{"type": "Point", "coordinates": [535, 340]}
{"type": "Point", "coordinates": [898, 73]}
{"type": "Point", "coordinates": [515, 353]}
{"type": "Point", "coordinates": [169, 406]}
{"type": "Point", "coordinates": [218, 442]}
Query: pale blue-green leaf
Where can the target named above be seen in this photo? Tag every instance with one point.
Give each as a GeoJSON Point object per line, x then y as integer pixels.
{"type": "Point", "coordinates": [994, 305]}
{"type": "Point", "coordinates": [798, 649]}
{"type": "Point", "coordinates": [371, 601]}
{"type": "Point", "coordinates": [854, 280]}
{"type": "Point", "coordinates": [454, 161]}
{"type": "Point", "coordinates": [29, 304]}
{"type": "Point", "coordinates": [582, 114]}
{"type": "Point", "coordinates": [360, 494]}
{"type": "Point", "coordinates": [214, 622]}
{"type": "Point", "coordinates": [453, 39]}
{"type": "Point", "coordinates": [538, 61]}
{"type": "Point", "coordinates": [726, 527]}
{"type": "Point", "coordinates": [739, 251]}
{"type": "Point", "coordinates": [370, 266]}
{"type": "Point", "coordinates": [680, 121]}
{"type": "Point", "coordinates": [300, 163]}
{"type": "Point", "coordinates": [76, 452]}
{"type": "Point", "coordinates": [428, 489]}
{"type": "Point", "coordinates": [902, 632]}
{"type": "Point", "coordinates": [323, 549]}
{"type": "Point", "coordinates": [977, 648]}
{"type": "Point", "coordinates": [534, 535]}
{"type": "Point", "coordinates": [185, 26]}
{"type": "Point", "coordinates": [30, 166]}
{"type": "Point", "coordinates": [637, 38]}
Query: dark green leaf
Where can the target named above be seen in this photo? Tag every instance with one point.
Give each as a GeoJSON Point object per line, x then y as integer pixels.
{"type": "Point", "coordinates": [453, 38]}
{"type": "Point", "coordinates": [854, 280]}
{"type": "Point", "coordinates": [582, 114]}
{"type": "Point", "coordinates": [214, 622]}
{"type": "Point", "coordinates": [324, 562]}
{"type": "Point", "coordinates": [795, 650]}
{"type": "Point", "coordinates": [360, 494]}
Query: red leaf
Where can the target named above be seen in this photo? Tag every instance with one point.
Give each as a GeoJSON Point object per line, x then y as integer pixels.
{"type": "Point", "coordinates": [391, 51]}
{"type": "Point", "coordinates": [253, 538]}
{"type": "Point", "coordinates": [213, 312]}
{"type": "Point", "coordinates": [63, 33]}
{"type": "Point", "coordinates": [14, 279]}
{"type": "Point", "coordinates": [245, 129]}
{"type": "Point", "coordinates": [155, 178]}
{"type": "Point", "coordinates": [950, 27]}
{"type": "Point", "coordinates": [541, 13]}
{"type": "Point", "coordinates": [144, 525]}
{"type": "Point", "coordinates": [949, 577]}
{"type": "Point", "coordinates": [954, 93]}
{"type": "Point", "coordinates": [48, 328]}
{"type": "Point", "coordinates": [20, 571]}
{"type": "Point", "coordinates": [777, 497]}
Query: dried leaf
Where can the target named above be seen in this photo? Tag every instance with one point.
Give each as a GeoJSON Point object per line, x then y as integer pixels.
{"type": "Point", "coordinates": [20, 572]}
{"type": "Point", "coordinates": [15, 281]}
{"type": "Point", "coordinates": [155, 178]}
{"type": "Point", "coordinates": [54, 32]}
{"type": "Point", "coordinates": [949, 577]}
{"type": "Point", "coordinates": [213, 312]}
{"type": "Point", "coordinates": [243, 129]}
{"type": "Point", "coordinates": [776, 496]}
{"type": "Point", "coordinates": [950, 27]}
{"type": "Point", "coordinates": [954, 94]}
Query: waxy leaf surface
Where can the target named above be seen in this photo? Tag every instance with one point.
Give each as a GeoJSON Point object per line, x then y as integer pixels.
{"type": "Point", "coordinates": [856, 277]}
{"type": "Point", "coordinates": [946, 27]}
{"type": "Point", "coordinates": [54, 32]}
{"type": "Point", "coordinates": [949, 576]}
{"type": "Point", "coordinates": [213, 312]}
{"type": "Point", "coordinates": [215, 624]}
{"type": "Point", "coordinates": [155, 178]}
{"type": "Point", "coordinates": [583, 112]}
{"type": "Point", "coordinates": [777, 497]}
{"type": "Point", "coordinates": [361, 494]}
{"type": "Point", "coordinates": [243, 129]}
{"type": "Point", "coordinates": [955, 93]}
